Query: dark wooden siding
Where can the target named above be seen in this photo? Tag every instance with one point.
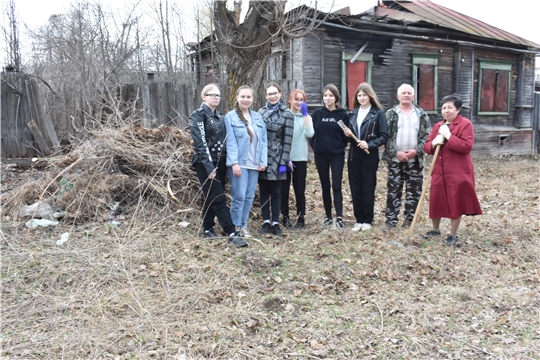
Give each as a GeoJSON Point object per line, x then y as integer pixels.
{"type": "Point", "coordinates": [397, 69]}
{"type": "Point", "coordinates": [499, 141]}
{"type": "Point", "coordinates": [296, 68]}
{"type": "Point", "coordinates": [527, 98]}
{"type": "Point", "coordinates": [465, 79]}
{"type": "Point", "coordinates": [331, 73]}
{"type": "Point", "coordinates": [312, 60]}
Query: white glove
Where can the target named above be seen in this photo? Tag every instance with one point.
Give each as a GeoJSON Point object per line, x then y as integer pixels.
{"type": "Point", "coordinates": [444, 130]}
{"type": "Point", "coordinates": [439, 140]}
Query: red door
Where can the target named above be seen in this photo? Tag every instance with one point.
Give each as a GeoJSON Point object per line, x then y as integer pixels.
{"type": "Point", "coordinates": [356, 74]}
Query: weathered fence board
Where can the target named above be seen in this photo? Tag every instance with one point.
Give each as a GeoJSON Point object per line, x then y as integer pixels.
{"type": "Point", "coordinates": [43, 120]}
{"type": "Point", "coordinates": [38, 136]}
{"type": "Point", "coordinates": [17, 140]}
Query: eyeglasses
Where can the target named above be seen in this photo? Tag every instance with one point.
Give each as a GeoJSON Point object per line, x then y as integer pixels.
{"type": "Point", "coordinates": [272, 94]}
{"type": "Point", "coordinates": [215, 96]}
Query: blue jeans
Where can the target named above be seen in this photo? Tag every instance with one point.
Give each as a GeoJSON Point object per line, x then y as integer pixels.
{"type": "Point", "coordinates": [243, 194]}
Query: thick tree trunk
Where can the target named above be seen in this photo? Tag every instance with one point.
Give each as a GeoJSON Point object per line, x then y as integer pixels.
{"type": "Point", "coordinates": [245, 48]}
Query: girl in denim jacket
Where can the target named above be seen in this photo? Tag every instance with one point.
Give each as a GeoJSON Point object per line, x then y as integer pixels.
{"type": "Point", "coordinates": [247, 153]}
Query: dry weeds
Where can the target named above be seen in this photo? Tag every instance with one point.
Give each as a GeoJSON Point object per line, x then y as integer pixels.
{"type": "Point", "coordinates": [153, 289]}
{"type": "Point", "coordinates": [126, 166]}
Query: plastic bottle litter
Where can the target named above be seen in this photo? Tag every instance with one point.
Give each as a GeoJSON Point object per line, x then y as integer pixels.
{"type": "Point", "coordinates": [65, 185]}
{"type": "Point", "coordinates": [63, 239]}
{"type": "Point", "coordinates": [41, 210]}
{"type": "Point", "coordinates": [34, 223]}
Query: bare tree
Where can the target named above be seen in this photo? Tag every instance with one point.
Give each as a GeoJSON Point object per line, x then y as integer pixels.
{"type": "Point", "coordinates": [246, 46]}
{"type": "Point", "coordinates": [11, 36]}
{"type": "Point", "coordinates": [169, 46]}
{"type": "Point", "coordinates": [84, 55]}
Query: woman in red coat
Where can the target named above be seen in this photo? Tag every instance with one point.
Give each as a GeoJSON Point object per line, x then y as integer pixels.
{"type": "Point", "coordinates": [452, 192]}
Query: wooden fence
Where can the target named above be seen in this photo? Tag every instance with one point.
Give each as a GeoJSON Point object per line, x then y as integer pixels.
{"type": "Point", "coordinates": [28, 130]}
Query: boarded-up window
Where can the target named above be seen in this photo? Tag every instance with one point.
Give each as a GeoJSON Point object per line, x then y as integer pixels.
{"type": "Point", "coordinates": [425, 69]}
{"type": "Point", "coordinates": [356, 74]}
{"type": "Point", "coordinates": [494, 87]}
{"type": "Point", "coordinates": [353, 74]}
{"type": "Point", "coordinates": [426, 89]}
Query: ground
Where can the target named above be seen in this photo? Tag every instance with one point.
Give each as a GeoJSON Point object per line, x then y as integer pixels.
{"type": "Point", "coordinates": [151, 288]}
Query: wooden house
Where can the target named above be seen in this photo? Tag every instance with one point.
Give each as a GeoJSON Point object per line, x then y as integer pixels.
{"type": "Point", "coordinates": [437, 50]}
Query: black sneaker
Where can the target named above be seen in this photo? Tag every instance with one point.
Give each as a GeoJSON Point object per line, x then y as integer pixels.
{"type": "Point", "coordinates": [286, 222]}
{"type": "Point", "coordinates": [431, 233]}
{"type": "Point", "coordinates": [209, 233]}
{"type": "Point", "coordinates": [451, 240]}
{"type": "Point", "coordinates": [237, 241]}
{"type": "Point", "coordinates": [299, 225]}
{"type": "Point", "coordinates": [266, 228]}
{"type": "Point", "coordinates": [276, 229]}
{"type": "Point", "coordinates": [339, 224]}
{"type": "Point", "coordinates": [328, 222]}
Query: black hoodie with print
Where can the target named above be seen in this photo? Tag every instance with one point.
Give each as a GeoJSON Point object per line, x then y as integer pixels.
{"type": "Point", "coordinates": [329, 138]}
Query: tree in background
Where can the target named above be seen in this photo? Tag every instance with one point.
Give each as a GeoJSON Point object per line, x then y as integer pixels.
{"type": "Point", "coordinates": [84, 55]}
{"type": "Point", "coordinates": [246, 46]}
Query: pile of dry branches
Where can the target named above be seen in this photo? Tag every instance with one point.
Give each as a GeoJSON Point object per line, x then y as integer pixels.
{"type": "Point", "coordinates": [115, 169]}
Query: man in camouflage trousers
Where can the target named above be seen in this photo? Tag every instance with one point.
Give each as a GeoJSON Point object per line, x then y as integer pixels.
{"type": "Point", "coordinates": [408, 130]}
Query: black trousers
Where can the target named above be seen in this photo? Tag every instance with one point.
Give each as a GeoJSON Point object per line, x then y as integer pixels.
{"type": "Point", "coordinates": [270, 197]}
{"type": "Point", "coordinates": [325, 164]}
{"type": "Point", "coordinates": [298, 178]}
{"type": "Point", "coordinates": [215, 202]}
{"type": "Point", "coordinates": [362, 180]}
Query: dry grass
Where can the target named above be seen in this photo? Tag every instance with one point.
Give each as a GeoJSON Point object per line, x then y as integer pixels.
{"type": "Point", "coordinates": [153, 289]}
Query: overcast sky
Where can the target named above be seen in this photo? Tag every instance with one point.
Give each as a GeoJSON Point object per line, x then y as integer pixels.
{"type": "Point", "coordinates": [513, 16]}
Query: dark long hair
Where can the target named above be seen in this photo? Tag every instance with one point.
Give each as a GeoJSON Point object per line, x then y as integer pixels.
{"type": "Point", "coordinates": [334, 90]}
{"type": "Point", "coordinates": [368, 90]}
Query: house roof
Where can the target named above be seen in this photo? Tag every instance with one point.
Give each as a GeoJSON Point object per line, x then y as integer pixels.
{"type": "Point", "coordinates": [426, 12]}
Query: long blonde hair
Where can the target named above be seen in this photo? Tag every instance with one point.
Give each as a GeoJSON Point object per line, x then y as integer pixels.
{"type": "Point", "coordinates": [239, 111]}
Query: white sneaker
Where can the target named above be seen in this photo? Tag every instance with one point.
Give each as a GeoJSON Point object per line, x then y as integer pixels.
{"type": "Point", "coordinates": [366, 227]}
{"type": "Point", "coordinates": [357, 227]}
{"type": "Point", "coordinates": [245, 233]}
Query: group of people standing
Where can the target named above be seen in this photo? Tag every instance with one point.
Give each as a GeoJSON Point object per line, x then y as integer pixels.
{"type": "Point", "coordinates": [269, 148]}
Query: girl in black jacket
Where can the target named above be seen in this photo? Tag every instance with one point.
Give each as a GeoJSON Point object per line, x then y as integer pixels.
{"type": "Point", "coordinates": [208, 133]}
{"type": "Point", "coordinates": [328, 145]}
{"type": "Point", "coordinates": [368, 124]}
